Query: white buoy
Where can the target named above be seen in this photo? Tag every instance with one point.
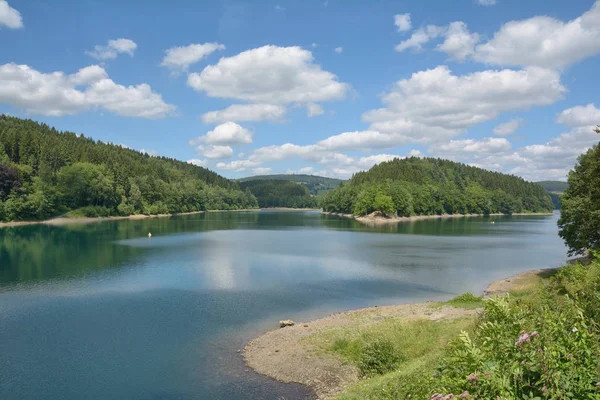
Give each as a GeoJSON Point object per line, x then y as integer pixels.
{"type": "Point", "coordinates": [493, 222]}
{"type": "Point", "coordinates": [149, 234]}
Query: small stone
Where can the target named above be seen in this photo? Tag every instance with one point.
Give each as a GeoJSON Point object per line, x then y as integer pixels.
{"type": "Point", "coordinates": [286, 322]}
{"type": "Point", "coordinates": [238, 351]}
{"type": "Point", "coordinates": [306, 326]}
{"type": "Point", "coordinates": [277, 351]}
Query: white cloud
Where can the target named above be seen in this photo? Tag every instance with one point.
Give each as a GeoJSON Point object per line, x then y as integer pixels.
{"type": "Point", "coordinates": [113, 49]}
{"type": "Point", "coordinates": [486, 2]}
{"type": "Point", "coordinates": [197, 162]}
{"type": "Point", "coordinates": [10, 17]}
{"type": "Point", "coordinates": [314, 44]}
{"type": "Point", "coordinates": [339, 50]}
{"type": "Point", "coordinates": [269, 74]}
{"type": "Point", "coordinates": [245, 112]}
{"type": "Point", "coordinates": [238, 165]}
{"type": "Point", "coordinates": [459, 42]}
{"type": "Point", "coordinates": [180, 58]}
{"type": "Point", "coordinates": [483, 146]}
{"type": "Point", "coordinates": [306, 170]}
{"type": "Point", "coordinates": [420, 37]}
{"type": "Point", "coordinates": [580, 116]}
{"type": "Point", "coordinates": [361, 140]}
{"type": "Point", "coordinates": [544, 41]}
{"type": "Point", "coordinates": [507, 128]}
{"type": "Point", "coordinates": [210, 151]}
{"type": "Point", "coordinates": [228, 133]}
{"type": "Point", "coordinates": [434, 104]}
{"type": "Point", "coordinates": [57, 94]}
{"type": "Point", "coordinates": [402, 22]}
{"type": "Point", "coordinates": [261, 171]}
{"type": "Point", "coordinates": [314, 109]}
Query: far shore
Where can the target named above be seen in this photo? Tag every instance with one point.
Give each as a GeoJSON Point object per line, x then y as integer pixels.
{"type": "Point", "coordinates": [382, 220]}
{"type": "Point", "coordinates": [87, 220]}
{"type": "Point", "coordinates": [288, 355]}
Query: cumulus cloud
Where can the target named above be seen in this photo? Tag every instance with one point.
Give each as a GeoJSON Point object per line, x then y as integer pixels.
{"type": "Point", "coordinates": [228, 133]}
{"type": "Point", "coordinates": [57, 94]}
{"type": "Point", "coordinates": [313, 109]}
{"type": "Point", "coordinates": [180, 58]}
{"type": "Point", "coordinates": [245, 112]}
{"type": "Point", "coordinates": [271, 75]}
{"type": "Point", "coordinates": [9, 17]}
{"type": "Point", "coordinates": [486, 2]}
{"type": "Point", "coordinates": [580, 116]}
{"type": "Point", "coordinates": [544, 41]}
{"type": "Point", "coordinates": [435, 104]}
{"type": "Point", "coordinates": [339, 50]}
{"type": "Point", "coordinates": [261, 171]}
{"type": "Point", "coordinates": [483, 146]}
{"type": "Point", "coordinates": [420, 37]}
{"type": "Point", "coordinates": [507, 128]}
{"type": "Point", "coordinates": [402, 22]}
{"type": "Point", "coordinates": [211, 151]}
{"type": "Point", "coordinates": [459, 43]}
{"type": "Point", "coordinates": [238, 165]}
{"type": "Point", "coordinates": [113, 49]}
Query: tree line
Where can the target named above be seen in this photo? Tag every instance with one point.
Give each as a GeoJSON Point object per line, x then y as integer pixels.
{"type": "Point", "coordinates": [278, 193]}
{"type": "Point", "coordinates": [430, 186]}
{"type": "Point", "coordinates": [45, 173]}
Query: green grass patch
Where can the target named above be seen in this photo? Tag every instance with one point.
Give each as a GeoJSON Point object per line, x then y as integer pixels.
{"type": "Point", "coordinates": [390, 344]}
{"type": "Point", "coordinates": [466, 300]}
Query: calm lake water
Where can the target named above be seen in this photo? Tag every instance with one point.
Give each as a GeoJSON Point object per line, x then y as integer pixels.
{"type": "Point", "coordinates": [101, 311]}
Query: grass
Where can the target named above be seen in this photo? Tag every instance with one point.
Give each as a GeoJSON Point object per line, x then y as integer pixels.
{"type": "Point", "coordinates": [398, 358]}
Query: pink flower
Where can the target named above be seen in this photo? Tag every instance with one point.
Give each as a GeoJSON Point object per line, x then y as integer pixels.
{"type": "Point", "coordinates": [448, 396]}
{"type": "Point", "coordinates": [472, 378]}
{"type": "Point", "coordinates": [544, 389]}
{"type": "Point", "coordinates": [598, 384]}
{"type": "Point", "coordinates": [437, 396]}
{"type": "Point", "coordinates": [465, 395]}
{"type": "Point", "coordinates": [534, 334]}
{"type": "Point", "coordinates": [522, 339]}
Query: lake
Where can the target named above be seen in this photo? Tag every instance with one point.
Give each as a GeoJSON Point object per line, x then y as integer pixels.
{"type": "Point", "coordinates": [102, 311]}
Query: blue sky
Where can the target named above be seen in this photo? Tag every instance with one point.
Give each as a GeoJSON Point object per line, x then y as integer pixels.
{"type": "Point", "coordinates": [324, 87]}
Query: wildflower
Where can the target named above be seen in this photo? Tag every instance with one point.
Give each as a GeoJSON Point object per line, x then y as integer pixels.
{"type": "Point", "coordinates": [574, 329]}
{"type": "Point", "coordinates": [437, 396]}
{"type": "Point", "coordinates": [523, 338]}
{"type": "Point", "coordinates": [544, 389]}
{"type": "Point", "coordinates": [534, 334]}
{"type": "Point", "coordinates": [465, 395]}
{"type": "Point", "coordinates": [448, 396]}
{"type": "Point", "coordinates": [597, 384]}
{"type": "Point", "coordinates": [472, 378]}
{"type": "Point", "coordinates": [569, 355]}
{"type": "Point", "coordinates": [539, 350]}
{"type": "Point", "coordinates": [523, 362]}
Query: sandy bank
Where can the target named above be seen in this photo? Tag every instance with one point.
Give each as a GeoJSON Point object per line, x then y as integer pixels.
{"type": "Point", "coordinates": [287, 356]}
{"type": "Point", "coordinates": [84, 220]}
{"type": "Point", "coordinates": [380, 220]}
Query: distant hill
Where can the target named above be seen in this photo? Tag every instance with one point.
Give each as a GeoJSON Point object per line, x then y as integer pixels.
{"type": "Point", "coordinates": [429, 186]}
{"type": "Point", "coordinates": [554, 186]}
{"type": "Point", "coordinates": [280, 193]}
{"type": "Point", "coordinates": [555, 189]}
{"type": "Point", "coordinates": [316, 185]}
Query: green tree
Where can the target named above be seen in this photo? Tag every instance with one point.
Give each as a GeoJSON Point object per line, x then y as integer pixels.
{"type": "Point", "coordinates": [384, 203]}
{"type": "Point", "coordinates": [580, 213]}
{"type": "Point", "coordinates": [84, 184]}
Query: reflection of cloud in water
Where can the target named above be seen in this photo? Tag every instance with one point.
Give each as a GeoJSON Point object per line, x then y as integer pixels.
{"type": "Point", "coordinates": [218, 266]}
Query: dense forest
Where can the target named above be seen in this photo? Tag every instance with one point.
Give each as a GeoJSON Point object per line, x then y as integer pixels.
{"type": "Point", "coordinates": [278, 193]}
{"type": "Point", "coordinates": [45, 173]}
{"type": "Point", "coordinates": [428, 186]}
{"type": "Point", "coordinates": [555, 189]}
{"type": "Point", "coordinates": [316, 185]}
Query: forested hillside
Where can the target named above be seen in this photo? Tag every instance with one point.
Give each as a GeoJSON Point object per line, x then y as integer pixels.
{"type": "Point", "coordinates": [555, 189]}
{"type": "Point", "coordinates": [315, 184]}
{"type": "Point", "coordinates": [44, 173]}
{"type": "Point", "coordinates": [428, 186]}
{"type": "Point", "coordinates": [276, 193]}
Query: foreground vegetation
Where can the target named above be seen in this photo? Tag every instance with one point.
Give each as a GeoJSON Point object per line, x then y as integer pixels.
{"type": "Point", "coordinates": [428, 186]}
{"type": "Point", "coordinates": [538, 343]}
{"type": "Point", "coordinates": [275, 193]}
{"type": "Point", "coordinates": [45, 173]}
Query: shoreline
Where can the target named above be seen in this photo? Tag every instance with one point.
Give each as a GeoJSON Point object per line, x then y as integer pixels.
{"type": "Point", "coordinates": [288, 356]}
{"type": "Point", "coordinates": [380, 220]}
{"type": "Point", "coordinates": [58, 221]}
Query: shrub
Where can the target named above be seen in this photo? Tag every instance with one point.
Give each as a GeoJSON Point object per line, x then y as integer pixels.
{"type": "Point", "coordinates": [378, 357]}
